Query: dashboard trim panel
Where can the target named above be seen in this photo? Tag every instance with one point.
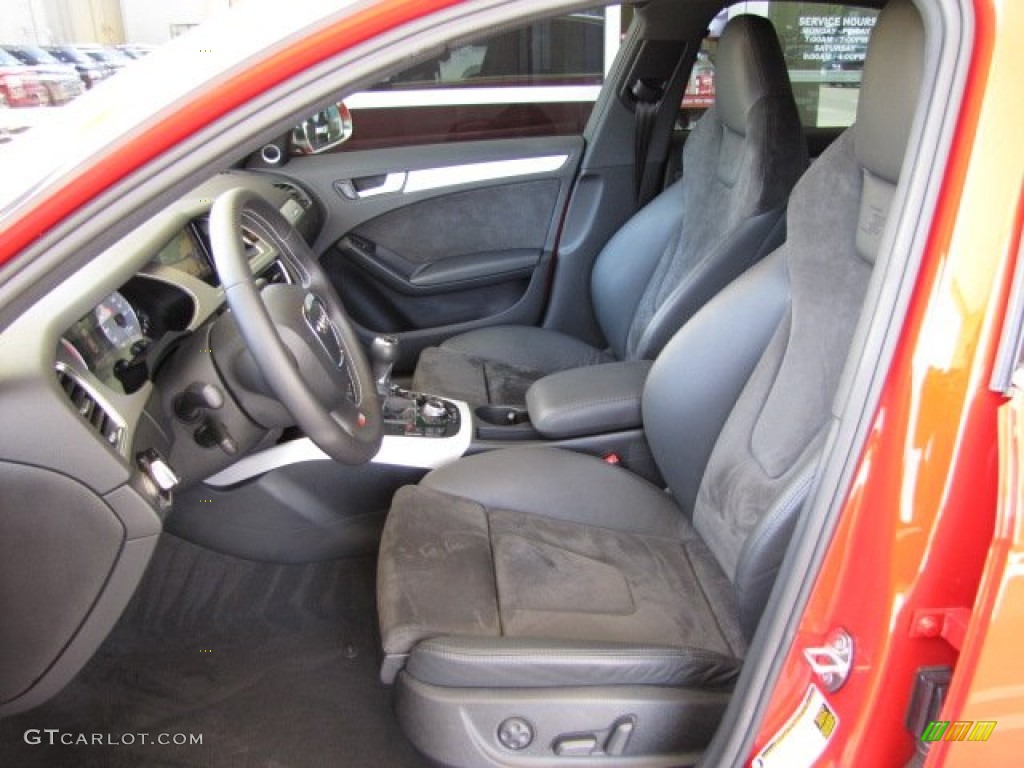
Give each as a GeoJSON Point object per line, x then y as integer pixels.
{"type": "Point", "coordinates": [423, 453]}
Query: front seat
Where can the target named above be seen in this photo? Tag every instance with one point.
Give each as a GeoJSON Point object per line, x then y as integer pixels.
{"type": "Point", "coordinates": [739, 166]}
{"type": "Point", "coordinates": [536, 602]}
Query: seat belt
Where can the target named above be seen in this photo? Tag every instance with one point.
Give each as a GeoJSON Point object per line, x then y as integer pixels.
{"type": "Point", "coordinates": [647, 96]}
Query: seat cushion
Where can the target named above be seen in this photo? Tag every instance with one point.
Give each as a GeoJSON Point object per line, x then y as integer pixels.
{"type": "Point", "coordinates": [498, 364]}
{"type": "Point", "coordinates": [577, 550]}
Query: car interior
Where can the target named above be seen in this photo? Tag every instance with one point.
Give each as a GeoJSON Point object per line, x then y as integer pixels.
{"type": "Point", "coordinates": [482, 452]}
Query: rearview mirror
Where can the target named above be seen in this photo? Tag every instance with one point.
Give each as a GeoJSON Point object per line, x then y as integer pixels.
{"type": "Point", "coordinates": [323, 131]}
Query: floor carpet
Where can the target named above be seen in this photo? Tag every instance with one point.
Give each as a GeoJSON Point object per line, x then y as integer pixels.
{"type": "Point", "coordinates": [272, 665]}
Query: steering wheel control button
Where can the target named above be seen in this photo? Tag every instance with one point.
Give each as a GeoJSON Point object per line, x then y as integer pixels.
{"type": "Point", "coordinates": [579, 745]}
{"type": "Point", "coordinates": [158, 470]}
{"type": "Point", "coordinates": [515, 733]}
{"type": "Point", "coordinates": [315, 314]}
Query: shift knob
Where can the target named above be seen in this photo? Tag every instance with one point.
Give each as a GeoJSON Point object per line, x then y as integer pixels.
{"type": "Point", "coordinates": [383, 354]}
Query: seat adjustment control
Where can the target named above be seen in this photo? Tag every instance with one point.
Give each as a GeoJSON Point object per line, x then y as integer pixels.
{"type": "Point", "coordinates": [515, 733]}
{"type": "Point", "coordinates": [578, 745]}
{"type": "Point", "coordinates": [618, 739]}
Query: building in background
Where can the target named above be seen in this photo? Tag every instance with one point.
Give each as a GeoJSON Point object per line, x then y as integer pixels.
{"type": "Point", "coordinates": [155, 23]}
{"type": "Point", "coordinates": [109, 22]}
{"type": "Point", "coordinates": [50, 22]}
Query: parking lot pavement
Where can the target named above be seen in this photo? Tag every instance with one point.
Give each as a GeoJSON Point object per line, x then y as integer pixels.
{"type": "Point", "coordinates": [19, 122]}
{"type": "Point", "coordinates": [10, 185]}
{"type": "Point", "coordinates": [23, 118]}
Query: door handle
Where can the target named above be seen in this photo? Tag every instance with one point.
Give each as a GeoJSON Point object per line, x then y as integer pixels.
{"type": "Point", "coordinates": [371, 186]}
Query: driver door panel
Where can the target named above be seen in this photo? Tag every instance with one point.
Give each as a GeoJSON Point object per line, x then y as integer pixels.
{"type": "Point", "coordinates": [427, 241]}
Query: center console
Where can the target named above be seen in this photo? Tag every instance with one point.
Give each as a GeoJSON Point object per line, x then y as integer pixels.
{"type": "Point", "coordinates": [414, 414]}
{"type": "Point", "coordinates": [595, 410]}
{"type": "Point", "coordinates": [503, 422]}
{"type": "Point", "coordinates": [290, 503]}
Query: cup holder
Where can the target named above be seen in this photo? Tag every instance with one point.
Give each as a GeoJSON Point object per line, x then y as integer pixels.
{"type": "Point", "coordinates": [502, 415]}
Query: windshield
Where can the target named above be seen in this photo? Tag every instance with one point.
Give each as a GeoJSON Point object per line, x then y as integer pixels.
{"type": "Point", "coordinates": [56, 129]}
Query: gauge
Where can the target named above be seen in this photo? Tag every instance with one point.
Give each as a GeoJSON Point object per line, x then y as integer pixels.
{"type": "Point", "coordinates": [185, 254]}
{"type": "Point", "coordinates": [116, 318]}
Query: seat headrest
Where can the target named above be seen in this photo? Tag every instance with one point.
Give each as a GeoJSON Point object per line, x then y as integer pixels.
{"type": "Point", "coordinates": [889, 90]}
{"type": "Point", "coordinates": [749, 65]}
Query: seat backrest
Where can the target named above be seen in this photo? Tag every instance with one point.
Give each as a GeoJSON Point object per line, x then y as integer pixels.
{"type": "Point", "coordinates": [737, 406]}
{"type": "Point", "coordinates": [739, 166]}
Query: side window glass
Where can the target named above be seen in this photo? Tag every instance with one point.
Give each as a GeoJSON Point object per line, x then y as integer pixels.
{"type": "Point", "coordinates": [565, 51]}
{"type": "Point", "coordinates": [537, 80]}
{"type": "Point", "coordinates": [824, 46]}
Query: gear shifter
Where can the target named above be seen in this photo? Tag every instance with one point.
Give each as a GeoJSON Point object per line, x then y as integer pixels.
{"type": "Point", "coordinates": [383, 354]}
{"type": "Point", "coordinates": [408, 414]}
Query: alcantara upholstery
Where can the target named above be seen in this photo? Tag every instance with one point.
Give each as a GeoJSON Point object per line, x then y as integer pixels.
{"type": "Point", "coordinates": [527, 559]}
{"type": "Point", "coordinates": [739, 166]}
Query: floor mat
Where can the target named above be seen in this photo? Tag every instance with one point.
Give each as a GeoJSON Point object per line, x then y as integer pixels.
{"type": "Point", "coordinates": [268, 665]}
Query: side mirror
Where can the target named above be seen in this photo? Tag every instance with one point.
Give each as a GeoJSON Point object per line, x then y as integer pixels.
{"type": "Point", "coordinates": [323, 131]}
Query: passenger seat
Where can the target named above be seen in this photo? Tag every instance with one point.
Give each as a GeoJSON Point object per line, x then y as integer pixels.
{"type": "Point", "coordinates": [739, 165]}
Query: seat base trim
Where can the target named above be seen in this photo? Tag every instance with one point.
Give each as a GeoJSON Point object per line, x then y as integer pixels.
{"type": "Point", "coordinates": [460, 726]}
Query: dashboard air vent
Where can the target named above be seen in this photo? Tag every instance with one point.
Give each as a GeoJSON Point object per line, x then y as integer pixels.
{"type": "Point", "coordinates": [96, 414]}
{"type": "Point", "coordinates": [295, 194]}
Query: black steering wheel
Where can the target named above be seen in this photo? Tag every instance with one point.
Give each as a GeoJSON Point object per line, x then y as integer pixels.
{"type": "Point", "coordinates": [298, 334]}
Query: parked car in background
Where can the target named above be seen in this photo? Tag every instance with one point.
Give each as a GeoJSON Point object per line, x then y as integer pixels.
{"type": "Point", "coordinates": [20, 84]}
{"type": "Point", "coordinates": [61, 80]}
{"type": "Point", "coordinates": [89, 69]}
{"type": "Point", "coordinates": [135, 50]}
{"type": "Point", "coordinates": [111, 58]}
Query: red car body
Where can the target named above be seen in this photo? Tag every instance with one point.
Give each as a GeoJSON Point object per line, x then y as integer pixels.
{"type": "Point", "coordinates": [927, 564]}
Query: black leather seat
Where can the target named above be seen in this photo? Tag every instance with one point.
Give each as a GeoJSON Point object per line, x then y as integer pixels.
{"type": "Point", "coordinates": [536, 602]}
{"type": "Point", "coordinates": [739, 166]}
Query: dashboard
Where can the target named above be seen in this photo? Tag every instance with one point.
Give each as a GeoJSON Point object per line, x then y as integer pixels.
{"type": "Point", "coordinates": [120, 342]}
{"type": "Point", "coordinates": [92, 377]}
{"type": "Point", "coordinates": [121, 339]}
